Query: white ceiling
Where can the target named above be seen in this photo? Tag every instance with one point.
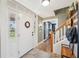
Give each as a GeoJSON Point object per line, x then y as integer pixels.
{"type": "Point", "coordinates": [35, 6]}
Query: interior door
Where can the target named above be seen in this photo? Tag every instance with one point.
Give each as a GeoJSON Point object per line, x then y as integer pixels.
{"type": "Point", "coordinates": [26, 36]}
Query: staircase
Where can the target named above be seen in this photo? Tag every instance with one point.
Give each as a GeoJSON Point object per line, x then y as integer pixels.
{"type": "Point", "coordinates": [59, 40]}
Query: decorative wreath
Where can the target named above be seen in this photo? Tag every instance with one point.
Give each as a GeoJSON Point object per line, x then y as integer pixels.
{"type": "Point", "coordinates": [27, 24]}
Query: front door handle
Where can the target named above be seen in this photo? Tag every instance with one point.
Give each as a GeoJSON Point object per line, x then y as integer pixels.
{"type": "Point", "coordinates": [32, 34]}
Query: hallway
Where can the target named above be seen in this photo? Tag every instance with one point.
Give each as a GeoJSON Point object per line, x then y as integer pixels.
{"type": "Point", "coordinates": [32, 29]}
{"type": "Point", "coordinates": [41, 51]}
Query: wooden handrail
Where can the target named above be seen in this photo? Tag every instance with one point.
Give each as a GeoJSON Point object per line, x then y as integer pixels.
{"type": "Point", "coordinates": [64, 22]}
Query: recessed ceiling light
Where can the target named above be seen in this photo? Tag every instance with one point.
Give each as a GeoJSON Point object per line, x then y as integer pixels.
{"type": "Point", "coordinates": [45, 2]}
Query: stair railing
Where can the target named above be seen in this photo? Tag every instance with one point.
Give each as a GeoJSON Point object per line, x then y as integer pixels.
{"type": "Point", "coordinates": [61, 30]}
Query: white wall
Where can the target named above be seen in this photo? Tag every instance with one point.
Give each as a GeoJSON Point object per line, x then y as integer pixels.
{"type": "Point", "coordinates": [4, 25]}
{"type": "Point", "coordinates": [0, 31]}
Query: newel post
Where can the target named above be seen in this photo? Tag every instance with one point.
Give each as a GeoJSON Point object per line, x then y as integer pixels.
{"type": "Point", "coordinates": [51, 39]}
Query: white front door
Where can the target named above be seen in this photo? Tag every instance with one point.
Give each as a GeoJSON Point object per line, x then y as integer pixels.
{"type": "Point", "coordinates": [26, 37]}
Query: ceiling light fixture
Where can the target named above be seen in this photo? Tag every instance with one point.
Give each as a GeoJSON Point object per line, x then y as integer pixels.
{"type": "Point", "coordinates": [45, 2]}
